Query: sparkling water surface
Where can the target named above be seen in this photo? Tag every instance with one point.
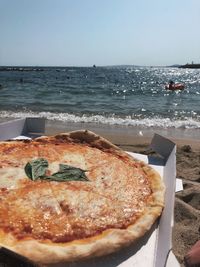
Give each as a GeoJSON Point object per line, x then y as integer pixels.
{"type": "Point", "coordinates": [104, 95]}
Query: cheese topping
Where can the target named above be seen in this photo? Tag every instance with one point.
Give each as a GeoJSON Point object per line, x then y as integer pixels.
{"type": "Point", "coordinates": [10, 177]}
{"type": "Point", "coordinates": [114, 196]}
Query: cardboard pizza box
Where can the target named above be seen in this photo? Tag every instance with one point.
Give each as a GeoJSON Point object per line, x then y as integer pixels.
{"type": "Point", "coordinates": [155, 248]}
{"type": "Point", "coordinates": [22, 128]}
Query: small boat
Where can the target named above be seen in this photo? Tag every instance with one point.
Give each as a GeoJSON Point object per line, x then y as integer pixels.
{"type": "Point", "coordinates": [174, 86]}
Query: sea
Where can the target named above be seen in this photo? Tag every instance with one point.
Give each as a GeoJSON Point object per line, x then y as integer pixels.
{"type": "Point", "coordinates": [124, 96]}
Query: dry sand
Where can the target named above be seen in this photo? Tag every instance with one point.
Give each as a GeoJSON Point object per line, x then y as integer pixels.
{"type": "Point", "coordinates": [187, 202]}
{"type": "Point", "coordinates": [186, 229]}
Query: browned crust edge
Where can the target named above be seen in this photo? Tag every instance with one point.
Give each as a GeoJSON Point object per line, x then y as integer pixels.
{"type": "Point", "coordinates": [105, 243]}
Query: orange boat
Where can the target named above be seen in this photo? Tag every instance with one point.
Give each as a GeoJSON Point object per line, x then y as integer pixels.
{"type": "Point", "coordinates": [174, 86]}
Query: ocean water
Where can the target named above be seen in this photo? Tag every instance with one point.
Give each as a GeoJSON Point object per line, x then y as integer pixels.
{"type": "Point", "coordinates": [125, 96]}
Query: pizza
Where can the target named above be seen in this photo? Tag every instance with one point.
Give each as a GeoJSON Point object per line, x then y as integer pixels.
{"type": "Point", "coordinates": [73, 196]}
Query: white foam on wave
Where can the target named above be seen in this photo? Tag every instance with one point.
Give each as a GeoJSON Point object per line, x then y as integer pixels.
{"type": "Point", "coordinates": [165, 123]}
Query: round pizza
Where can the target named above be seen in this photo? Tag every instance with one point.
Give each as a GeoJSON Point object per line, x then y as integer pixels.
{"type": "Point", "coordinates": [73, 196]}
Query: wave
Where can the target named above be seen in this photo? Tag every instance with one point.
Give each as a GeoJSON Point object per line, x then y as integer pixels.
{"type": "Point", "coordinates": [187, 123]}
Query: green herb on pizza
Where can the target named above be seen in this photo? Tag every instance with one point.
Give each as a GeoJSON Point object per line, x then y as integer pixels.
{"type": "Point", "coordinates": [37, 169]}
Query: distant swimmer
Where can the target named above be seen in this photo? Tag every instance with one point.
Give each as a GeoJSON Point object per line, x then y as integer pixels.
{"type": "Point", "coordinates": [171, 85]}
{"type": "Point", "coordinates": [174, 86]}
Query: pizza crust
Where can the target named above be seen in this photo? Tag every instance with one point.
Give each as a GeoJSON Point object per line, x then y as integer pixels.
{"type": "Point", "coordinates": [107, 242]}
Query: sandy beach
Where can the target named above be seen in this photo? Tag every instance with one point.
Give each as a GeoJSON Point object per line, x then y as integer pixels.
{"type": "Point", "coordinates": [186, 229]}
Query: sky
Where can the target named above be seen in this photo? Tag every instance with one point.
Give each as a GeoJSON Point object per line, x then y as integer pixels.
{"type": "Point", "coordinates": [100, 32]}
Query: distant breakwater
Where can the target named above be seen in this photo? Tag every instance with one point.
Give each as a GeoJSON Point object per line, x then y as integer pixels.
{"type": "Point", "coordinates": [190, 66]}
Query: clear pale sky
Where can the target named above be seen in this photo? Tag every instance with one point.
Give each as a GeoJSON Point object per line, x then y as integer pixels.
{"type": "Point", "coordinates": [100, 32]}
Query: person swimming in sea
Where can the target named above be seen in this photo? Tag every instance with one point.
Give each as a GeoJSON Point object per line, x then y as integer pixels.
{"type": "Point", "coordinates": [171, 85]}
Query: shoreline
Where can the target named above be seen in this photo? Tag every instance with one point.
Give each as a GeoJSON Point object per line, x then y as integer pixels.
{"type": "Point", "coordinates": [128, 135]}
{"type": "Point", "coordinates": [121, 134]}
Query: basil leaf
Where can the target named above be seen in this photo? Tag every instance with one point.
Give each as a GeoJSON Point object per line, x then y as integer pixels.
{"type": "Point", "coordinates": [68, 173]}
{"type": "Point", "coordinates": [36, 168]}
{"type": "Point", "coordinates": [73, 170]}
{"type": "Point", "coordinates": [28, 170]}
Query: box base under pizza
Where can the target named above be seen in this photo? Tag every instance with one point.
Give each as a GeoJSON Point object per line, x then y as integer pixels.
{"type": "Point", "coordinates": [153, 250]}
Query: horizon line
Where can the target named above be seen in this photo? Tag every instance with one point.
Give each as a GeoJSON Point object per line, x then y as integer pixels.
{"type": "Point", "coordinates": [88, 66]}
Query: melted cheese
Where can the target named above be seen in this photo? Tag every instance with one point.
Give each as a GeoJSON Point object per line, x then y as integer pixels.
{"type": "Point", "coordinates": [53, 167]}
{"type": "Point", "coordinates": [10, 177]}
{"type": "Point", "coordinates": [62, 211]}
{"type": "Point", "coordinates": [44, 201]}
{"type": "Point", "coordinates": [75, 159]}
